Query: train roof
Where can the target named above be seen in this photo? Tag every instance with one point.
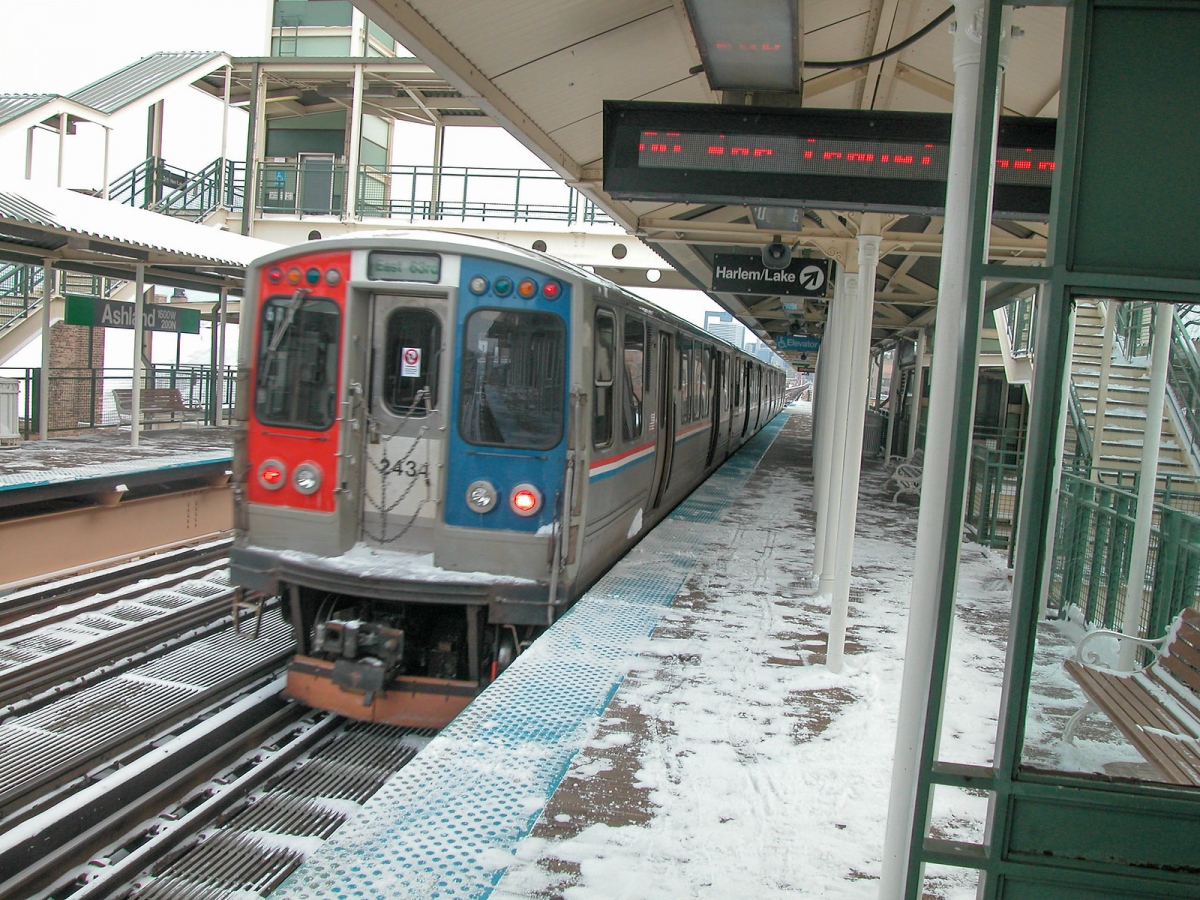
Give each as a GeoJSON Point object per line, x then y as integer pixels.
{"type": "Point", "coordinates": [458, 242]}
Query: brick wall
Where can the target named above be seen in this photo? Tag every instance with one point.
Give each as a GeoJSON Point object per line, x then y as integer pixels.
{"type": "Point", "coordinates": [76, 386]}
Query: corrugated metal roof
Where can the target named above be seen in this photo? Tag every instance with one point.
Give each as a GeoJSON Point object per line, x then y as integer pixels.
{"type": "Point", "coordinates": [14, 105]}
{"type": "Point", "coordinates": [169, 240]}
{"type": "Point", "coordinates": [14, 207]}
{"type": "Point", "coordinates": [145, 76]}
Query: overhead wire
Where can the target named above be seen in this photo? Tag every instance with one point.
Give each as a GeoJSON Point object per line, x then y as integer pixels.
{"type": "Point", "coordinates": [884, 54]}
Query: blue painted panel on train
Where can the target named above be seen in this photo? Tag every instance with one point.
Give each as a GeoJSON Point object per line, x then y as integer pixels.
{"type": "Point", "coordinates": [509, 409]}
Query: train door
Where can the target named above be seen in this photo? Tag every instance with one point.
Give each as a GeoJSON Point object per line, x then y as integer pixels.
{"type": "Point", "coordinates": [405, 421]}
{"type": "Point", "coordinates": [749, 399]}
{"type": "Point", "coordinates": [716, 379]}
{"type": "Point", "coordinates": [664, 420]}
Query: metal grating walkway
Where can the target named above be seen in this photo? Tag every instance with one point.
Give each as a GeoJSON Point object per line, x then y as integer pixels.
{"type": "Point", "coordinates": [447, 824]}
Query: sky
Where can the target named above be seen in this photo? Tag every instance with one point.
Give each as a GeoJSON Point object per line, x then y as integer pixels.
{"type": "Point", "coordinates": [60, 46]}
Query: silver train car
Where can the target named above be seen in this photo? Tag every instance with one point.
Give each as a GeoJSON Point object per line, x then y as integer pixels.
{"type": "Point", "coordinates": [443, 441]}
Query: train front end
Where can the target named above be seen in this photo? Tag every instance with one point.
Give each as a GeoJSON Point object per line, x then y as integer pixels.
{"type": "Point", "coordinates": [402, 459]}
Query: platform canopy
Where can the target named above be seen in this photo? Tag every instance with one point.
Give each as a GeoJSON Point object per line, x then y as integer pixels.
{"type": "Point", "coordinates": [98, 237]}
{"type": "Point", "coordinates": [543, 69]}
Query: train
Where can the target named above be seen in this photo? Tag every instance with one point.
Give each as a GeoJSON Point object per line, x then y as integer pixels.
{"type": "Point", "coordinates": [442, 441]}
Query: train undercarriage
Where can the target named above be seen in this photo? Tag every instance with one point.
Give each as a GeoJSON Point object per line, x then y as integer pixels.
{"type": "Point", "coordinates": [403, 663]}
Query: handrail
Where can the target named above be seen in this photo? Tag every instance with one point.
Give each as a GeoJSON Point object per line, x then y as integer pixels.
{"type": "Point", "coordinates": [1183, 378]}
{"type": "Point", "coordinates": [1083, 438]}
{"type": "Point", "coordinates": [1021, 315]}
{"type": "Point", "coordinates": [1134, 328]}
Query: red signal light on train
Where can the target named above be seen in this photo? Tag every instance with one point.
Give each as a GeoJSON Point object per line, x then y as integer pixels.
{"type": "Point", "coordinates": [272, 474]}
{"type": "Point", "coordinates": [274, 274]}
{"type": "Point", "coordinates": [527, 288]}
{"type": "Point", "coordinates": [525, 500]}
{"type": "Point", "coordinates": [551, 290]}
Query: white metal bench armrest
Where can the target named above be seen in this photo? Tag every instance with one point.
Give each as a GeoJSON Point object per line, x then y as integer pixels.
{"type": "Point", "coordinates": [1092, 659]}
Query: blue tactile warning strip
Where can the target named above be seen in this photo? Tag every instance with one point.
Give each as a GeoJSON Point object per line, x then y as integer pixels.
{"type": "Point", "coordinates": [447, 824]}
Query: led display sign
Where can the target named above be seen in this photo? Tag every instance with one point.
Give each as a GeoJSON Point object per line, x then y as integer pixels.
{"type": "Point", "coordinates": [841, 159]}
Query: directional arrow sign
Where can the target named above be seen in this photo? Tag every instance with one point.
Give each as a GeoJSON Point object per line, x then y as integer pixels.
{"type": "Point", "coordinates": [745, 274]}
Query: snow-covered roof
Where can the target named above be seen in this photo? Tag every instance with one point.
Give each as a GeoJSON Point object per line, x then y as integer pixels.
{"type": "Point", "coordinates": [68, 225]}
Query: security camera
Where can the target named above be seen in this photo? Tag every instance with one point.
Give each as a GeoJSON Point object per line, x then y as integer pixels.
{"type": "Point", "coordinates": [776, 255]}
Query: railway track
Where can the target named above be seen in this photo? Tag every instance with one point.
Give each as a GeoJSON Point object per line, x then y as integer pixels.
{"type": "Point", "coordinates": [42, 604]}
{"type": "Point", "coordinates": [145, 749]}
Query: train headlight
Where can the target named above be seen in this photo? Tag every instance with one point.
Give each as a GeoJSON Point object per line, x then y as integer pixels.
{"type": "Point", "coordinates": [272, 474]}
{"type": "Point", "coordinates": [481, 496]}
{"type": "Point", "coordinates": [307, 478]}
{"type": "Point", "coordinates": [525, 500]}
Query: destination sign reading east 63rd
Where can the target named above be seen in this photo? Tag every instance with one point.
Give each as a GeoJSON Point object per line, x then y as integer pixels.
{"type": "Point", "coordinates": [744, 274]}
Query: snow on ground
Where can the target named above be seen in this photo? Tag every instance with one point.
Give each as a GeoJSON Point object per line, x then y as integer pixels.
{"type": "Point", "coordinates": [732, 763]}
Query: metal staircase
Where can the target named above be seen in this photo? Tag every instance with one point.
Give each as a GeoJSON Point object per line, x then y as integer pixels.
{"type": "Point", "coordinates": [192, 196]}
{"type": "Point", "coordinates": [1117, 448]}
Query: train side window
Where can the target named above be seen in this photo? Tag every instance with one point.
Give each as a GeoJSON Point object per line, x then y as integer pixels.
{"type": "Point", "coordinates": [406, 373]}
{"type": "Point", "coordinates": [297, 362]}
{"type": "Point", "coordinates": [633, 397]}
{"type": "Point", "coordinates": [604, 373]}
{"type": "Point", "coordinates": [685, 379]}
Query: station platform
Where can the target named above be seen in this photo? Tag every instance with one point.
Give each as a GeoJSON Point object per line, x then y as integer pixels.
{"type": "Point", "coordinates": [677, 734]}
{"type": "Point", "coordinates": [94, 462]}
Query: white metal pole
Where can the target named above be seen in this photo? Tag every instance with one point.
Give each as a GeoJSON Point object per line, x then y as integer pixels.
{"type": "Point", "coordinates": [1059, 443]}
{"type": "Point", "coordinates": [435, 188]}
{"type": "Point", "coordinates": [219, 375]}
{"type": "Point", "coordinates": [914, 414]}
{"type": "Point", "coordinates": [857, 388]}
{"type": "Point", "coordinates": [1106, 352]}
{"type": "Point", "coordinates": [893, 402]}
{"type": "Point", "coordinates": [923, 609]}
{"type": "Point", "coordinates": [1135, 588]}
{"type": "Point", "coordinates": [826, 385]}
{"type": "Point", "coordinates": [29, 152]}
{"type": "Point", "coordinates": [44, 376]}
{"type": "Point", "coordinates": [353, 151]}
{"type": "Point", "coordinates": [62, 145]}
{"type": "Point", "coordinates": [104, 165]}
{"type": "Point", "coordinates": [837, 446]}
{"type": "Point", "coordinates": [221, 165]}
{"type": "Point", "coordinates": [139, 331]}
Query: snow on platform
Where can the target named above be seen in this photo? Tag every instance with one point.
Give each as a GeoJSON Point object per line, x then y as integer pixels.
{"type": "Point", "coordinates": [107, 454]}
{"type": "Point", "coordinates": [677, 734]}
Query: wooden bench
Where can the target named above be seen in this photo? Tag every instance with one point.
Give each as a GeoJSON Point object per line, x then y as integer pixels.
{"type": "Point", "coordinates": [157, 406]}
{"type": "Point", "coordinates": [1157, 708]}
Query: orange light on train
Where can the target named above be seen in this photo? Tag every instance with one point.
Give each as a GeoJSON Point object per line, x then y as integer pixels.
{"type": "Point", "coordinates": [294, 275]}
{"type": "Point", "coordinates": [527, 288]}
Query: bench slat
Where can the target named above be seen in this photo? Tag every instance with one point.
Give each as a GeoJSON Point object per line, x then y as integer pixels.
{"type": "Point", "coordinates": [1131, 707]}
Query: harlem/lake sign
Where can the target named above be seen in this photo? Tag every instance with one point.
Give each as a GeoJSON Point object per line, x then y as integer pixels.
{"type": "Point", "coordinates": [96, 311]}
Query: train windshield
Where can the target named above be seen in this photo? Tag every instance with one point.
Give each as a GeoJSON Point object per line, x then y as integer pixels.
{"type": "Point", "coordinates": [297, 362]}
{"type": "Point", "coordinates": [511, 392]}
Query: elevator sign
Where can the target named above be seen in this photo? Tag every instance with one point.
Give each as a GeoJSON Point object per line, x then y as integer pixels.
{"type": "Point", "coordinates": [98, 312]}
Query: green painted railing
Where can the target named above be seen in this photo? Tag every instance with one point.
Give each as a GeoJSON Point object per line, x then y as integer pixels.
{"type": "Point", "coordinates": [1183, 377]}
{"type": "Point", "coordinates": [1135, 329]}
{"type": "Point", "coordinates": [993, 494]}
{"type": "Point", "coordinates": [1090, 562]}
{"type": "Point", "coordinates": [1078, 450]}
{"type": "Point", "coordinates": [1021, 315]}
{"type": "Point", "coordinates": [516, 195]}
{"type": "Point", "coordinates": [83, 397]}
{"type": "Point", "coordinates": [18, 282]}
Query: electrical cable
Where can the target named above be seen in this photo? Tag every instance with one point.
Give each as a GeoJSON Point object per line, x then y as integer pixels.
{"type": "Point", "coordinates": [884, 54]}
